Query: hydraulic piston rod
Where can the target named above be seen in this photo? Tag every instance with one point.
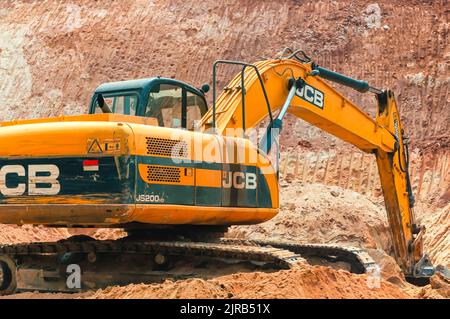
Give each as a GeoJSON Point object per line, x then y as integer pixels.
{"type": "Point", "coordinates": [358, 85]}
{"type": "Point", "coordinates": [274, 128]}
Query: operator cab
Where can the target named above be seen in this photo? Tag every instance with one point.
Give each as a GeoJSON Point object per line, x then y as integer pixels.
{"type": "Point", "coordinates": [172, 103]}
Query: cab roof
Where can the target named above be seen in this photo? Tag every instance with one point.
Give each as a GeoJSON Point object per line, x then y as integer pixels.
{"type": "Point", "coordinates": [125, 85]}
{"type": "Point", "coordinates": [142, 84]}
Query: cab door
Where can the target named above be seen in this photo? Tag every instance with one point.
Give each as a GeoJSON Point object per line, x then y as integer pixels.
{"type": "Point", "coordinates": [207, 154]}
{"type": "Point", "coordinates": [178, 106]}
{"type": "Point", "coordinates": [167, 174]}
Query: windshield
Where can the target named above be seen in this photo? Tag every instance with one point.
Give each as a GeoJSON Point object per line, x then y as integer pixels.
{"type": "Point", "coordinates": [120, 104]}
{"type": "Point", "coordinates": [167, 105]}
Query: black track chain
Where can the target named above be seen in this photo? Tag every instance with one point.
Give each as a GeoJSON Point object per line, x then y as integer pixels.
{"type": "Point", "coordinates": [360, 260]}
{"type": "Point", "coordinates": [284, 259]}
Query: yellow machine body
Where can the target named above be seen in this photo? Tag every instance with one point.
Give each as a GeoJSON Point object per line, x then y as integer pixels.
{"type": "Point", "coordinates": [104, 170]}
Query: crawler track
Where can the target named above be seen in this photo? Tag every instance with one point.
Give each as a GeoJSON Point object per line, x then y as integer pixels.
{"type": "Point", "coordinates": [358, 259]}
{"type": "Point", "coordinates": [43, 266]}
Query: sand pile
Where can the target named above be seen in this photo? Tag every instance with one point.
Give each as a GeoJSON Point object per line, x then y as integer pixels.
{"type": "Point", "coordinates": [315, 213]}
{"type": "Point", "coordinates": [439, 288]}
{"type": "Point", "coordinates": [11, 234]}
{"type": "Point", "coordinates": [311, 282]}
{"type": "Point", "coordinates": [437, 237]}
{"type": "Point", "coordinates": [324, 214]}
{"type": "Point", "coordinates": [328, 214]}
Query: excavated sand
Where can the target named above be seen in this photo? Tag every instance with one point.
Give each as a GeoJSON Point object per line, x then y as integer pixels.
{"type": "Point", "coordinates": [323, 214]}
{"type": "Point", "coordinates": [11, 234]}
{"type": "Point", "coordinates": [312, 282]}
{"type": "Point", "coordinates": [437, 237]}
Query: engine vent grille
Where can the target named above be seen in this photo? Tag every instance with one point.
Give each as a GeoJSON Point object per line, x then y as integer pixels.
{"type": "Point", "coordinates": [166, 174]}
{"type": "Point", "coordinates": [166, 147]}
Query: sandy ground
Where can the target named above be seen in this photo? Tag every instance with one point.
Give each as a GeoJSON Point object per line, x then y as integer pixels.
{"type": "Point", "coordinates": [437, 238]}
{"type": "Point", "coordinates": [10, 234]}
{"type": "Point", "coordinates": [311, 282]}
{"type": "Point", "coordinates": [317, 213]}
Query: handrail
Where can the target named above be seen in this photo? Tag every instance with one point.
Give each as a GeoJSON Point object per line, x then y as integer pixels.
{"type": "Point", "coordinates": [244, 66]}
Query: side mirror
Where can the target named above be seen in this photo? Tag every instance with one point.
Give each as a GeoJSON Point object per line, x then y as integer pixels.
{"type": "Point", "coordinates": [205, 88]}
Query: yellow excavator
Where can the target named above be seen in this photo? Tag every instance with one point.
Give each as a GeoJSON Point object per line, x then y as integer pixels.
{"type": "Point", "coordinates": [151, 158]}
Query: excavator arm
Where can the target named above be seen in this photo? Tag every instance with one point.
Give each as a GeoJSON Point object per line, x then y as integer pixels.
{"type": "Point", "coordinates": [297, 86]}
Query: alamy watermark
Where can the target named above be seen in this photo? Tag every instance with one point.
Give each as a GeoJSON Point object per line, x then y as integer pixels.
{"type": "Point", "coordinates": [74, 276]}
{"type": "Point", "coordinates": [233, 146]}
{"type": "Point", "coordinates": [373, 280]}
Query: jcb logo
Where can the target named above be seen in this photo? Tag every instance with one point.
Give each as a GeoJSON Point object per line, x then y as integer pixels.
{"type": "Point", "coordinates": [239, 180]}
{"type": "Point", "coordinates": [311, 94]}
{"type": "Point", "coordinates": [42, 180]}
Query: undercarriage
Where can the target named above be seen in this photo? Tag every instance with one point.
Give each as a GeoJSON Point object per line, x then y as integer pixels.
{"type": "Point", "coordinates": [82, 263]}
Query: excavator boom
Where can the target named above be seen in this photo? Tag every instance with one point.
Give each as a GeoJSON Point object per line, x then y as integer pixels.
{"type": "Point", "coordinates": [297, 86]}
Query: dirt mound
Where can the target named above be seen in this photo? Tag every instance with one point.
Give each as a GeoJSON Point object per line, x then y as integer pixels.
{"type": "Point", "coordinates": [311, 282]}
{"type": "Point", "coordinates": [439, 288]}
{"type": "Point", "coordinates": [323, 214]}
{"type": "Point", "coordinates": [437, 237]}
{"type": "Point", "coordinates": [11, 234]}
{"type": "Point", "coordinates": [315, 213]}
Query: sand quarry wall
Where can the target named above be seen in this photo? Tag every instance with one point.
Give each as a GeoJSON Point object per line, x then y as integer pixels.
{"type": "Point", "coordinates": [54, 53]}
{"type": "Point", "coordinates": [401, 45]}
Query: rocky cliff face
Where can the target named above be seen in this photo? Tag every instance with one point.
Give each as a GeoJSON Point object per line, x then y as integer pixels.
{"type": "Point", "coordinates": [54, 53]}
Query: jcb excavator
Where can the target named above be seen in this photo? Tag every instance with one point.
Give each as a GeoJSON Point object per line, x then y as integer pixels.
{"type": "Point", "coordinates": [151, 158]}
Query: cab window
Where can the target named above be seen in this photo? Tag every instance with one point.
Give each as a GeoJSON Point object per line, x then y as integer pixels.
{"type": "Point", "coordinates": [119, 104]}
{"type": "Point", "coordinates": [196, 108]}
{"type": "Point", "coordinates": [164, 104]}
{"type": "Point", "coordinates": [175, 107]}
